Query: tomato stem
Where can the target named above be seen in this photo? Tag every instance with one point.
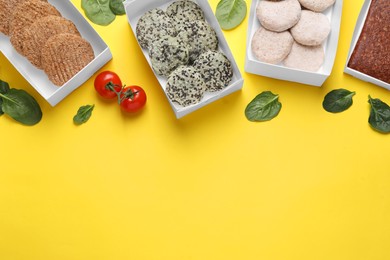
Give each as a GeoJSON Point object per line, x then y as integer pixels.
{"type": "Point", "coordinates": [127, 94]}
{"type": "Point", "coordinates": [111, 86]}
{"type": "Point", "coordinates": [120, 94]}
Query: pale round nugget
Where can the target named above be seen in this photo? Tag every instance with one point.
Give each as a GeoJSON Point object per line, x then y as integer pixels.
{"type": "Point", "coordinates": [167, 54]}
{"type": "Point", "coordinates": [200, 36]}
{"type": "Point", "coordinates": [36, 35]}
{"type": "Point", "coordinates": [271, 47]}
{"type": "Point", "coordinates": [308, 58]}
{"type": "Point", "coordinates": [152, 25]}
{"type": "Point", "coordinates": [64, 55]}
{"type": "Point", "coordinates": [312, 29]}
{"type": "Point", "coordinates": [185, 86]}
{"type": "Point", "coordinates": [6, 9]}
{"type": "Point", "coordinates": [317, 5]}
{"type": "Point", "coordinates": [278, 16]}
{"type": "Point", "coordinates": [215, 68]}
{"type": "Point", "coordinates": [184, 11]}
{"type": "Point", "coordinates": [25, 14]}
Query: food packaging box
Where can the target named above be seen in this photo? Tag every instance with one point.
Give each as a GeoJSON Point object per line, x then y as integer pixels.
{"type": "Point", "coordinates": [38, 79]}
{"type": "Point", "coordinates": [254, 66]}
{"type": "Point", "coordinates": [136, 8]}
{"type": "Point", "coordinates": [358, 29]}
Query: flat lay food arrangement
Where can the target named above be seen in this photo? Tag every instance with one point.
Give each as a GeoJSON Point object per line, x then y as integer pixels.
{"type": "Point", "coordinates": [260, 120]}
{"type": "Point", "coordinates": [181, 45]}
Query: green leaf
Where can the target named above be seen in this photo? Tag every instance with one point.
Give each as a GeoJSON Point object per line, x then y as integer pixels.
{"type": "Point", "coordinates": [117, 7]}
{"type": "Point", "coordinates": [4, 87]}
{"type": "Point", "coordinates": [379, 115]}
{"type": "Point", "coordinates": [21, 106]}
{"type": "Point", "coordinates": [83, 114]}
{"type": "Point", "coordinates": [338, 100]}
{"type": "Point", "coordinates": [263, 107]}
{"type": "Point", "coordinates": [98, 11]}
{"type": "Point", "coordinates": [230, 13]}
{"type": "Point", "coordinates": [1, 109]}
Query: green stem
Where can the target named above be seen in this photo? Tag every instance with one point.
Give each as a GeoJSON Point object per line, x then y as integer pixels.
{"type": "Point", "coordinates": [111, 86]}
{"type": "Point", "coordinates": [128, 94]}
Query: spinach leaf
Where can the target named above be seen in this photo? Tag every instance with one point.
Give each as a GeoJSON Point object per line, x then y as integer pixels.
{"type": "Point", "coordinates": [98, 11]}
{"type": "Point", "coordinates": [230, 13]}
{"type": "Point", "coordinates": [338, 100]}
{"type": "Point", "coordinates": [1, 109]}
{"type": "Point", "coordinates": [117, 7]}
{"type": "Point", "coordinates": [21, 106]}
{"type": "Point", "coordinates": [263, 107]}
{"type": "Point", "coordinates": [379, 115]}
{"type": "Point", "coordinates": [83, 114]}
{"type": "Point", "coordinates": [4, 87]}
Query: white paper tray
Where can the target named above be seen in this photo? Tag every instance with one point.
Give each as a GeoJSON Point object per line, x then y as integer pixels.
{"type": "Point", "coordinates": [254, 66]}
{"type": "Point", "coordinates": [136, 8]}
{"type": "Point", "coordinates": [358, 29]}
{"type": "Point", "coordinates": [38, 79]}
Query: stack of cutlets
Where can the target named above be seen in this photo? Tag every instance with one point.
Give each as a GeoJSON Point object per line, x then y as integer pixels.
{"type": "Point", "coordinates": [49, 41]}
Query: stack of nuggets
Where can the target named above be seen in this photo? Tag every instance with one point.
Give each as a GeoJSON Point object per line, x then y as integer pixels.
{"type": "Point", "coordinates": [49, 41]}
{"type": "Point", "coordinates": [183, 47]}
{"type": "Point", "coordinates": [292, 33]}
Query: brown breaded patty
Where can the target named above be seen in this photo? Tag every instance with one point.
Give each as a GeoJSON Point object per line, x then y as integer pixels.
{"type": "Point", "coordinates": [6, 8]}
{"type": "Point", "coordinates": [35, 36]}
{"type": "Point", "coordinates": [64, 55]}
{"type": "Point", "coordinates": [25, 14]}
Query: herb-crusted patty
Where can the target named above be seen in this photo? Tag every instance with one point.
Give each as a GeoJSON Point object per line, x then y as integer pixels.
{"type": "Point", "coordinates": [185, 86]}
{"type": "Point", "coordinates": [200, 35]}
{"type": "Point", "coordinates": [215, 68]}
{"type": "Point", "coordinates": [167, 54]}
{"type": "Point", "coordinates": [184, 11]}
{"type": "Point", "coordinates": [152, 25]}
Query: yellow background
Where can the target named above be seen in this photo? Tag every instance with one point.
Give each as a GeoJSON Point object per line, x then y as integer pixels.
{"type": "Point", "coordinates": [212, 185]}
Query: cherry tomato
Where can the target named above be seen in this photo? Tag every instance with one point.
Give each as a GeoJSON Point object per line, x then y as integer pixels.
{"type": "Point", "coordinates": [105, 84]}
{"type": "Point", "coordinates": [133, 99]}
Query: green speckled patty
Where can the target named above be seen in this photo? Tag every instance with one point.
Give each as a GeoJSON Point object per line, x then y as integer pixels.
{"type": "Point", "coordinates": [200, 35]}
{"type": "Point", "coordinates": [185, 86]}
{"type": "Point", "coordinates": [216, 70]}
{"type": "Point", "coordinates": [184, 11]}
{"type": "Point", "coordinates": [167, 54]}
{"type": "Point", "coordinates": [152, 26]}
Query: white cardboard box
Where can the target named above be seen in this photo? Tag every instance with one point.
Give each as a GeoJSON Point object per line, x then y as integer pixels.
{"type": "Point", "coordinates": [358, 29]}
{"type": "Point", "coordinates": [38, 79]}
{"type": "Point", "coordinates": [136, 8]}
{"type": "Point", "coordinates": [254, 66]}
